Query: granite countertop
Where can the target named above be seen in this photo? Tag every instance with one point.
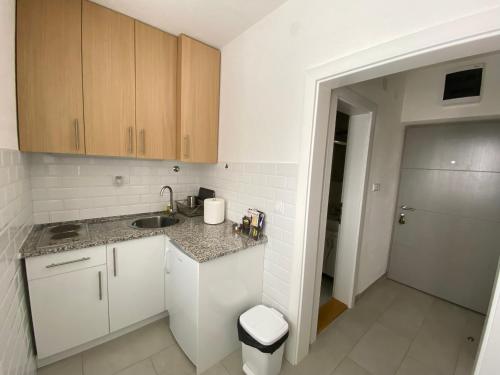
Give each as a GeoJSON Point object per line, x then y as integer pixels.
{"type": "Point", "coordinates": [200, 241]}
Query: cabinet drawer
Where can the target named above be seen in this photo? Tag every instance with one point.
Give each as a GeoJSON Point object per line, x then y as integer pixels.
{"type": "Point", "coordinates": [55, 264]}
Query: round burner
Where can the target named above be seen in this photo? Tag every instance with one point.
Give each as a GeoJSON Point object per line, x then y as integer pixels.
{"type": "Point", "coordinates": [65, 228]}
{"type": "Point", "coordinates": [64, 235]}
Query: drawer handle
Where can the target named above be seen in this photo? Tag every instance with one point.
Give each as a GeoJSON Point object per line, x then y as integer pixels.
{"type": "Point", "coordinates": [100, 285]}
{"type": "Point", "coordinates": [68, 262]}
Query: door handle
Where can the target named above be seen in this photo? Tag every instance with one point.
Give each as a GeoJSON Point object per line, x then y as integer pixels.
{"type": "Point", "coordinates": [187, 145]}
{"type": "Point", "coordinates": [99, 274]}
{"type": "Point", "coordinates": [77, 134]}
{"type": "Point", "coordinates": [114, 262]}
{"type": "Point", "coordinates": [402, 219]}
{"type": "Point", "coordinates": [406, 208]}
{"type": "Point", "coordinates": [143, 134]}
{"type": "Point", "coordinates": [167, 262]}
{"type": "Point", "coordinates": [130, 141]}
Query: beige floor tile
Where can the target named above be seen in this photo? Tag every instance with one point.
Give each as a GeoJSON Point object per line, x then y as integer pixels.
{"type": "Point", "coordinates": [406, 315]}
{"type": "Point", "coordinates": [380, 351]}
{"type": "Point", "coordinates": [439, 340]}
{"type": "Point", "coordinates": [126, 350]}
{"type": "Point", "coordinates": [141, 368]}
{"type": "Point", "coordinates": [331, 347]}
{"type": "Point", "coordinates": [234, 363]}
{"type": "Point", "coordinates": [349, 367]}
{"type": "Point", "coordinates": [172, 361]}
{"type": "Point", "coordinates": [411, 366]}
{"type": "Point", "coordinates": [218, 369]}
{"type": "Point", "coordinates": [380, 295]}
{"type": "Point", "coordinates": [68, 366]}
{"type": "Point", "coordinates": [354, 323]}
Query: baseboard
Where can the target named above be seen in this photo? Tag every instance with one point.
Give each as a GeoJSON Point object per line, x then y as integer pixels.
{"type": "Point", "coordinates": [101, 340]}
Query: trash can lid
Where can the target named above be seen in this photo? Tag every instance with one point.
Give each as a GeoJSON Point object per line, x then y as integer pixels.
{"type": "Point", "coordinates": [264, 324]}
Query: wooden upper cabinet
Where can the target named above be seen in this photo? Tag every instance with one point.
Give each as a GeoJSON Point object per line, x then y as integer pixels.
{"type": "Point", "coordinates": [108, 81]}
{"type": "Point", "coordinates": [156, 75]}
{"type": "Point", "coordinates": [49, 76]}
{"type": "Point", "coordinates": [198, 83]}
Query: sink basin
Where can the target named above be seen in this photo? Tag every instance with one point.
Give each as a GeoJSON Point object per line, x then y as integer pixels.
{"type": "Point", "coordinates": [153, 222]}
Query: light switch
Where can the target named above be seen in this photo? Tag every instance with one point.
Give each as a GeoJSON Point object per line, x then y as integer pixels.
{"type": "Point", "coordinates": [376, 187]}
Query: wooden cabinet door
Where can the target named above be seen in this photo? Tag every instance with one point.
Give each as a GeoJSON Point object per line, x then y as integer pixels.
{"type": "Point", "coordinates": [49, 76]}
{"type": "Point", "coordinates": [198, 101]}
{"type": "Point", "coordinates": [156, 75]}
{"type": "Point", "coordinates": [108, 81]}
{"type": "Point", "coordinates": [69, 309]}
{"type": "Point", "coordinates": [136, 280]}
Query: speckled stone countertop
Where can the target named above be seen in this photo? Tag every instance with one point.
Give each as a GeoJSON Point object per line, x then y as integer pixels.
{"type": "Point", "coordinates": [200, 241]}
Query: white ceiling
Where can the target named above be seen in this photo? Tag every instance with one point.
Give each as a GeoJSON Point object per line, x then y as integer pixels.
{"type": "Point", "coordinates": [214, 22]}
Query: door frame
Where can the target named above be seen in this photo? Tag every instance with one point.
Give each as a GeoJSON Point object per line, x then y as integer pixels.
{"type": "Point", "coordinates": [347, 262]}
{"type": "Point", "coordinates": [467, 36]}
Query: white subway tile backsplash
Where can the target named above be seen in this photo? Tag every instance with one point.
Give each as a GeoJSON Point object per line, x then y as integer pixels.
{"type": "Point", "coordinates": [16, 352]}
{"type": "Point", "coordinates": [75, 187]}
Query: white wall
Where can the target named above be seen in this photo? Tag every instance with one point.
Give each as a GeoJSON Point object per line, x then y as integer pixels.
{"type": "Point", "coordinates": [384, 169]}
{"type": "Point", "coordinates": [263, 70]}
{"type": "Point", "coordinates": [424, 90]}
{"type": "Point", "coordinates": [8, 116]}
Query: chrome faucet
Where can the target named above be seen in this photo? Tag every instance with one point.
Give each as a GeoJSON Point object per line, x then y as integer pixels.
{"type": "Point", "coordinates": [163, 188]}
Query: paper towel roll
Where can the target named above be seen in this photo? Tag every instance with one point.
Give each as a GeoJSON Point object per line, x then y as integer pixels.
{"type": "Point", "coordinates": [214, 210]}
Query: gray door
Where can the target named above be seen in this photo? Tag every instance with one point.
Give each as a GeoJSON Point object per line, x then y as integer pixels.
{"type": "Point", "coordinates": [448, 241]}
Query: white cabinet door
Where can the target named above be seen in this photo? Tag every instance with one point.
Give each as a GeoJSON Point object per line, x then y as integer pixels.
{"type": "Point", "coordinates": [183, 312]}
{"type": "Point", "coordinates": [69, 309]}
{"type": "Point", "coordinates": [136, 280]}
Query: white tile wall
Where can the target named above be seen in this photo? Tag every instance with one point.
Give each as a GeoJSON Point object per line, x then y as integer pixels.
{"type": "Point", "coordinates": [16, 353]}
{"type": "Point", "coordinates": [271, 188]}
{"type": "Point", "coordinates": [75, 187]}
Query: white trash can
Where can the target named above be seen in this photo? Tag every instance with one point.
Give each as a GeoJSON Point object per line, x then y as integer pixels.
{"type": "Point", "coordinates": [262, 331]}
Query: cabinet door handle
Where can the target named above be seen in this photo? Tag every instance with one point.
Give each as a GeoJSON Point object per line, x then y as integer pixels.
{"type": "Point", "coordinates": [77, 134]}
{"type": "Point", "coordinates": [130, 144]}
{"type": "Point", "coordinates": [143, 134]}
{"type": "Point", "coordinates": [67, 262]}
{"type": "Point", "coordinates": [114, 262]}
{"type": "Point", "coordinates": [167, 262]}
{"type": "Point", "coordinates": [99, 274]}
{"type": "Point", "coordinates": [186, 146]}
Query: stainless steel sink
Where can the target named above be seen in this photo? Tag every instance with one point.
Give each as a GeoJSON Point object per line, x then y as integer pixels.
{"type": "Point", "coordinates": [153, 222]}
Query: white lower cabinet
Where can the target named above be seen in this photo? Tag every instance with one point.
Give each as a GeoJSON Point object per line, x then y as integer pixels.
{"type": "Point", "coordinates": [136, 280]}
{"type": "Point", "coordinates": [207, 298]}
{"type": "Point", "coordinates": [81, 295]}
{"type": "Point", "coordinates": [68, 308]}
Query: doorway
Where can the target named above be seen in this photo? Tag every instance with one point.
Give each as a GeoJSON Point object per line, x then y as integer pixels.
{"type": "Point", "coordinates": [329, 307]}
{"type": "Point", "coordinates": [389, 58]}
{"type": "Point", "coordinates": [342, 208]}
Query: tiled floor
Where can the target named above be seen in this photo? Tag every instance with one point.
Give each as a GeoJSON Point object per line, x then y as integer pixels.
{"type": "Point", "coordinates": [392, 330]}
